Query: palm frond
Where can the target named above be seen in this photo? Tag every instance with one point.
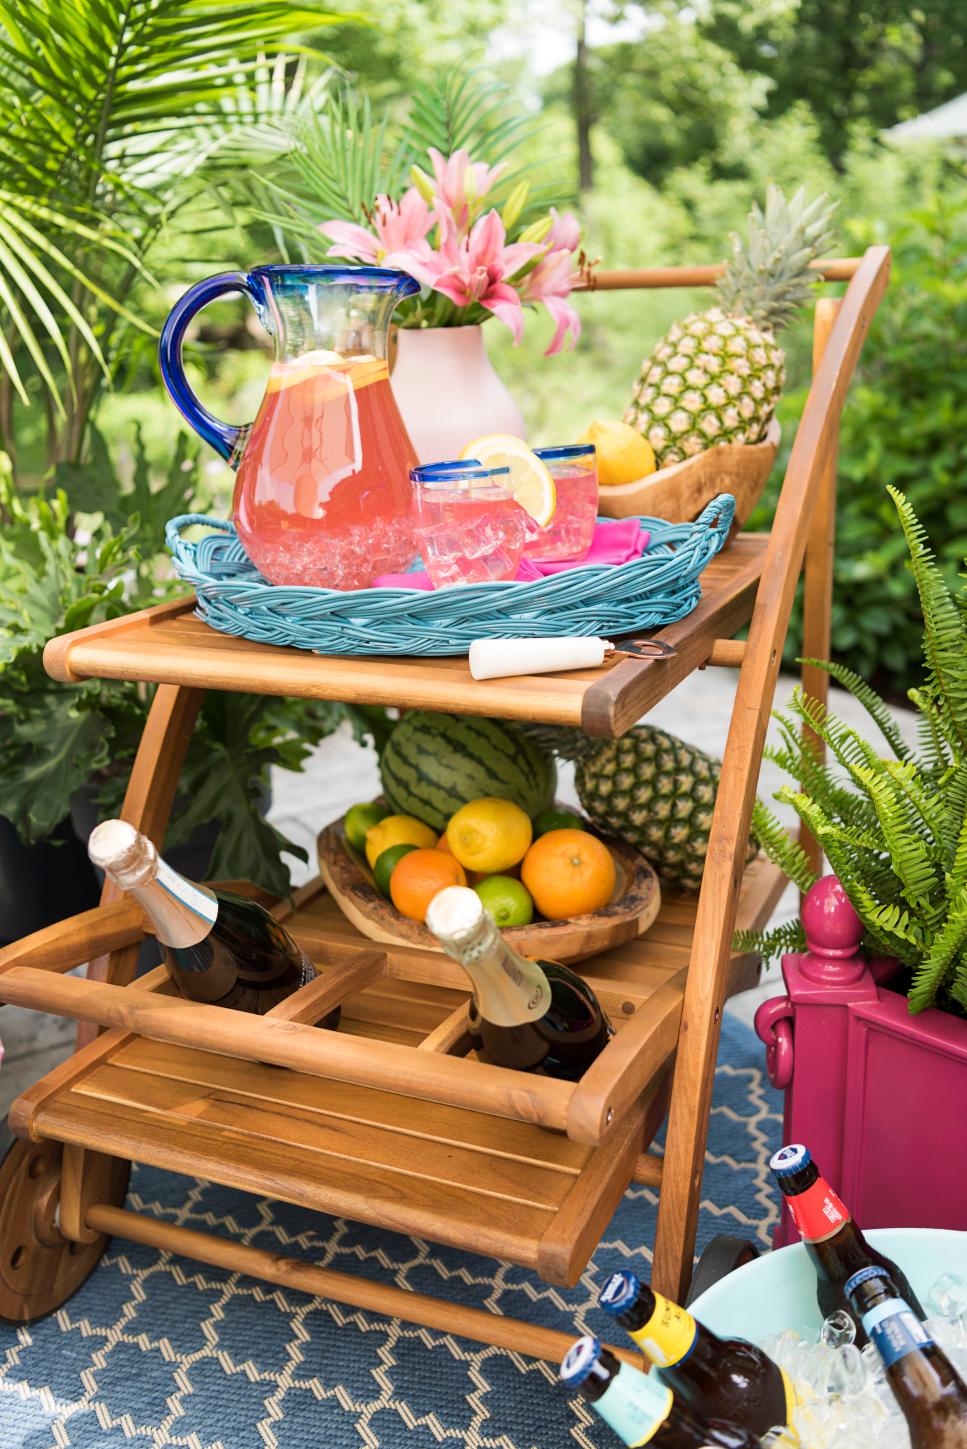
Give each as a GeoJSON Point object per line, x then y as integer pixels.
{"type": "Point", "coordinates": [343, 159]}
{"type": "Point", "coordinates": [464, 110]}
{"type": "Point", "coordinates": [869, 699]}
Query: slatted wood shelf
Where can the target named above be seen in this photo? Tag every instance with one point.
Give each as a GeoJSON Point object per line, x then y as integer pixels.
{"type": "Point", "coordinates": [410, 1155]}
{"type": "Point", "coordinates": [169, 645]}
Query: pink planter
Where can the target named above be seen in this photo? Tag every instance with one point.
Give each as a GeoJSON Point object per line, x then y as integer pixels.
{"type": "Point", "coordinates": [878, 1095]}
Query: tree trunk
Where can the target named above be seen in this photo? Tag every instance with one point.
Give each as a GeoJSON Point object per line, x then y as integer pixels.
{"type": "Point", "coordinates": [582, 102]}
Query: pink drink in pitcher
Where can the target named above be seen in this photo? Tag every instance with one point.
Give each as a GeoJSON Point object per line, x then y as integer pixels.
{"type": "Point", "coordinates": [469, 527]}
{"type": "Point", "coordinates": [569, 533]}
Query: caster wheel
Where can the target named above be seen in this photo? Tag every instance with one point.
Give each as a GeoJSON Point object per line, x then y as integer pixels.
{"type": "Point", "coordinates": [39, 1268]}
{"type": "Point", "coordinates": [722, 1255]}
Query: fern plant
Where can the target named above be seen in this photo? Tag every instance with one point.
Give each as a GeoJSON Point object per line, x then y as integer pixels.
{"type": "Point", "coordinates": [891, 820]}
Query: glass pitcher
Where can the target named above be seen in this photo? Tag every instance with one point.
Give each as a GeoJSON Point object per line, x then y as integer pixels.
{"type": "Point", "coordinates": [322, 495]}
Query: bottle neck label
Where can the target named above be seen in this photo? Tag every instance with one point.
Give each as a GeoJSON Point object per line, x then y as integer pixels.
{"type": "Point", "coordinates": [635, 1405]}
{"type": "Point", "coordinates": [895, 1330]}
{"type": "Point", "coordinates": [509, 990]}
{"type": "Point", "coordinates": [183, 913]}
{"type": "Point", "coordinates": [818, 1213]}
{"type": "Point", "coordinates": [669, 1335]}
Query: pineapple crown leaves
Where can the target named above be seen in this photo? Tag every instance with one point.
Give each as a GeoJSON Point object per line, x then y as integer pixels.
{"type": "Point", "coordinates": [767, 277]}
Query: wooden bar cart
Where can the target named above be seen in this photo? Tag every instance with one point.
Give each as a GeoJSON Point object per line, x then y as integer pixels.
{"type": "Point", "coordinates": [388, 1121]}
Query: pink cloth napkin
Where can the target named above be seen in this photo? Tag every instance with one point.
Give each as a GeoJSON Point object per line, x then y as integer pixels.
{"type": "Point", "coordinates": [617, 541]}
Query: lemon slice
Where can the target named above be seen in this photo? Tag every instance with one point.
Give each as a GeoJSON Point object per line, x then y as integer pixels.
{"type": "Point", "coordinates": [530, 482]}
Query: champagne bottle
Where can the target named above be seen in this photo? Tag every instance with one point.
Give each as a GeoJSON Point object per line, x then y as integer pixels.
{"type": "Point", "coordinates": [832, 1239]}
{"type": "Point", "coordinates": [218, 947]}
{"type": "Point", "coordinates": [929, 1390]}
{"type": "Point", "coordinates": [640, 1408]}
{"type": "Point", "coordinates": [529, 1015]}
{"type": "Point", "coordinates": [725, 1377]}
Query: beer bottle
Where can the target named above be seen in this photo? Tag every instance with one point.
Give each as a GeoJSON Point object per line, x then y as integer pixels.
{"type": "Point", "coordinates": [728, 1377]}
{"type": "Point", "coordinates": [833, 1241]}
{"type": "Point", "coordinates": [219, 947]}
{"type": "Point", "coordinates": [530, 1015]}
{"type": "Point", "coordinates": [929, 1390]}
{"type": "Point", "coordinates": [640, 1408]}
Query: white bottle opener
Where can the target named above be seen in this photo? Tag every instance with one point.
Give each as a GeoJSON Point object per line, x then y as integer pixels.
{"type": "Point", "coordinates": [498, 658]}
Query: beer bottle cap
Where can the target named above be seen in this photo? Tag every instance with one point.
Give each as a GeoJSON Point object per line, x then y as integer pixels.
{"type": "Point", "coordinates": [619, 1292]}
{"type": "Point", "coordinates": [580, 1359]}
{"type": "Point", "coordinates": [790, 1159]}
{"type": "Point", "coordinates": [863, 1276]}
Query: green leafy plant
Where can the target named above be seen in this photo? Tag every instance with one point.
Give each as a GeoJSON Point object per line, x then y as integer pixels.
{"type": "Point", "coordinates": [91, 94]}
{"type": "Point", "coordinates": [56, 739]}
{"type": "Point", "coordinates": [891, 820]}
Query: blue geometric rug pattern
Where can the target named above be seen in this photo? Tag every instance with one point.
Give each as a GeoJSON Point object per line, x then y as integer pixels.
{"type": "Point", "coordinates": [156, 1350]}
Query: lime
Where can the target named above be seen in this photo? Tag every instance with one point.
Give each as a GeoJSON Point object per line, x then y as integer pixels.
{"type": "Point", "coordinates": [507, 900]}
{"type": "Point", "coordinates": [386, 863]}
{"type": "Point", "coordinates": [360, 819]}
{"type": "Point", "coordinates": [552, 819]}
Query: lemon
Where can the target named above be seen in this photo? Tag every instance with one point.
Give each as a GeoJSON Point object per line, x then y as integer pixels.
{"type": "Point", "coordinates": [489, 835]}
{"type": "Point", "coordinates": [360, 819]}
{"type": "Point", "coordinates": [623, 454]}
{"type": "Point", "coordinates": [507, 900]}
{"type": "Point", "coordinates": [530, 480]}
{"type": "Point", "coordinates": [396, 830]}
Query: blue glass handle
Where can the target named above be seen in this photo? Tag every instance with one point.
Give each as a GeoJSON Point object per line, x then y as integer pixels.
{"type": "Point", "coordinates": [223, 437]}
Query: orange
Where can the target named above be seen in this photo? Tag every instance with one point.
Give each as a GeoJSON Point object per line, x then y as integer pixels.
{"type": "Point", "coordinates": [473, 876]}
{"type": "Point", "coordinates": [568, 872]}
{"type": "Point", "coordinates": [417, 878]}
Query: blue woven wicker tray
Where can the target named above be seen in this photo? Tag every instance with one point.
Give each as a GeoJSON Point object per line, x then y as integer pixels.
{"type": "Point", "coordinates": [658, 588]}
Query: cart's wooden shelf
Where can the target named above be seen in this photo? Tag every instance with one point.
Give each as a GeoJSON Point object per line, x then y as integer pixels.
{"type": "Point", "coordinates": [168, 645]}
{"type": "Point", "coordinates": [395, 1158]}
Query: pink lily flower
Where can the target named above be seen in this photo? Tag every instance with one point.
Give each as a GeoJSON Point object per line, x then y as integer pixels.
{"type": "Point", "coordinates": [452, 174]}
{"type": "Point", "coordinates": [551, 283]}
{"type": "Point", "coordinates": [477, 268]}
{"type": "Point", "coordinates": [565, 232]}
{"type": "Point", "coordinates": [400, 232]}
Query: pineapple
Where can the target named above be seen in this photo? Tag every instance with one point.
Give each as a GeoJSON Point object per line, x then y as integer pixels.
{"type": "Point", "coordinates": [716, 377]}
{"type": "Point", "coordinates": [648, 787]}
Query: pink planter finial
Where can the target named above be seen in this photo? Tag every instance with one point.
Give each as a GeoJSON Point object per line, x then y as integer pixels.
{"type": "Point", "coordinates": [833, 934]}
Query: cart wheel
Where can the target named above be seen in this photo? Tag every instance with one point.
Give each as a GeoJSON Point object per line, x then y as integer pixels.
{"type": "Point", "coordinates": [722, 1255]}
{"type": "Point", "coordinates": [39, 1268]}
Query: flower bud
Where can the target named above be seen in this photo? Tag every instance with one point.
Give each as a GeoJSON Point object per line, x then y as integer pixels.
{"type": "Point", "coordinates": [423, 183]}
{"type": "Point", "coordinates": [537, 231]}
{"type": "Point", "coordinates": [515, 204]}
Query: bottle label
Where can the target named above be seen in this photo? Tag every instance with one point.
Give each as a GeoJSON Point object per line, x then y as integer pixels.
{"type": "Point", "coordinates": [895, 1330]}
{"type": "Point", "coordinates": [817, 1212]}
{"type": "Point", "coordinates": [635, 1405]}
{"type": "Point", "coordinates": [669, 1335]}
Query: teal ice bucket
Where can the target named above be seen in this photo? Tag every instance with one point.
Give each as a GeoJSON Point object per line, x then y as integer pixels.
{"type": "Point", "coordinates": [778, 1290]}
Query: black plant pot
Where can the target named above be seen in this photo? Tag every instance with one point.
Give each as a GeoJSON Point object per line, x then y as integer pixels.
{"type": "Point", "coordinates": [42, 883]}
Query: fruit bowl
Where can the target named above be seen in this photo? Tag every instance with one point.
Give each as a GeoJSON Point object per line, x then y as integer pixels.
{"type": "Point", "coordinates": [679, 492]}
{"type": "Point", "coordinates": [633, 906]}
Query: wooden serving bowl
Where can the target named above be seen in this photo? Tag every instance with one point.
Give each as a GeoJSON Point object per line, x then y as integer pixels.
{"type": "Point", "coordinates": [679, 492]}
{"type": "Point", "coordinates": [632, 909]}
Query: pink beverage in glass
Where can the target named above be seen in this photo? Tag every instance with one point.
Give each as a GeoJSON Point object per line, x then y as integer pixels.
{"type": "Point", "coordinates": [469, 527]}
{"type": "Point", "coordinates": [569, 533]}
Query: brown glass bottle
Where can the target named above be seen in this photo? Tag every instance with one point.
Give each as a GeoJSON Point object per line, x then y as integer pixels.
{"type": "Point", "coordinates": [640, 1408]}
{"type": "Point", "coordinates": [219, 947]}
{"type": "Point", "coordinates": [527, 1015]}
{"type": "Point", "coordinates": [725, 1377]}
{"type": "Point", "coordinates": [929, 1390]}
{"type": "Point", "coordinates": [831, 1237]}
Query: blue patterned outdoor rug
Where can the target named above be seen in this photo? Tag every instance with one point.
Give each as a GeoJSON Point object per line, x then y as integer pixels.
{"type": "Point", "coordinates": [156, 1350]}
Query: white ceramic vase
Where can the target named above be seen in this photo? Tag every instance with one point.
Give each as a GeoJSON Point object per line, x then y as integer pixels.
{"type": "Point", "coordinates": [448, 392]}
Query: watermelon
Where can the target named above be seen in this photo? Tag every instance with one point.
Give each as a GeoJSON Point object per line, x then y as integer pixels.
{"type": "Point", "coordinates": [434, 763]}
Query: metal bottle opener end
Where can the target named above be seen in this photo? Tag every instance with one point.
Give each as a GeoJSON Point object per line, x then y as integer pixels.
{"type": "Point", "coordinates": [639, 649]}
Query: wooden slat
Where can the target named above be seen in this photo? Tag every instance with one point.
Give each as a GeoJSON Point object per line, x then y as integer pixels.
{"type": "Point", "coordinates": [404, 1204]}
{"type": "Point", "coordinates": [174, 648]}
{"type": "Point", "coordinates": [572, 1236]}
{"type": "Point", "coordinates": [312, 1136]}
{"type": "Point", "coordinates": [718, 900]}
{"type": "Point", "coordinates": [73, 941]}
{"type": "Point", "coordinates": [289, 1044]}
{"type": "Point", "coordinates": [622, 279]}
{"type": "Point", "coordinates": [349, 1288]}
{"type": "Point", "coordinates": [518, 1141]}
{"type": "Point", "coordinates": [311, 1003]}
{"type": "Point", "coordinates": [452, 1033]}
